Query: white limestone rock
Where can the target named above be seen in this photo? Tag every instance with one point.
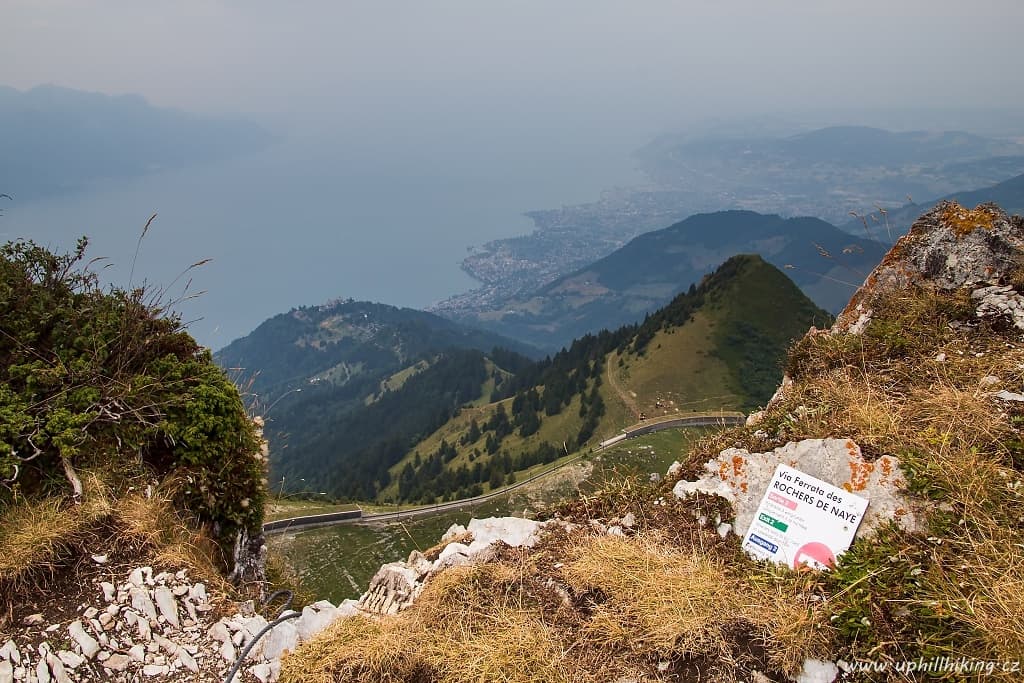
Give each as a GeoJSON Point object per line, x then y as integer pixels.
{"type": "Point", "coordinates": [261, 672]}
{"type": "Point", "coordinates": [188, 661]}
{"type": "Point", "coordinates": [87, 643]}
{"type": "Point", "coordinates": [168, 605]}
{"type": "Point", "coordinates": [219, 632]}
{"type": "Point", "coordinates": [117, 662]}
{"type": "Point", "coordinates": [742, 477]}
{"type": "Point", "coordinates": [142, 602]}
{"type": "Point", "coordinates": [10, 651]}
{"type": "Point", "coordinates": [6, 671]}
{"type": "Point", "coordinates": [393, 588]}
{"type": "Point", "coordinates": [284, 637]}
{"type": "Point", "coordinates": [818, 671]}
{"type": "Point", "coordinates": [197, 592]}
{"type": "Point", "coordinates": [348, 608]}
{"type": "Point", "coordinates": [42, 671]}
{"type": "Point", "coordinates": [513, 531]}
{"type": "Point", "coordinates": [136, 578]}
{"type": "Point", "coordinates": [266, 673]}
{"type": "Point", "coordinates": [71, 660]}
{"type": "Point", "coordinates": [314, 620]}
{"type": "Point", "coordinates": [227, 651]}
{"type": "Point", "coordinates": [1004, 395]}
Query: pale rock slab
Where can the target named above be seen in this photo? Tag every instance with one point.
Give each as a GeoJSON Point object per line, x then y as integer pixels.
{"type": "Point", "coordinates": [742, 477]}
{"type": "Point", "coordinates": [57, 668]}
{"type": "Point", "coordinates": [87, 643]}
{"type": "Point", "coordinates": [42, 671]}
{"type": "Point", "coordinates": [314, 620]}
{"type": "Point", "coordinates": [227, 651]}
{"type": "Point", "coordinates": [393, 588]}
{"type": "Point", "coordinates": [142, 602]}
{"type": "Point", "coordinates": [168, 605]}
{"type": "Point", "coordinates": [818, 671]}
{"type": "Point", "coordinates": [117, 662]}
{"type": "Point", "coordinates": [513, 531]}
{"type": "Point", "coordinates": [188, 661]}
{"type": "Point", "coordinates": [72, 660]}
{"type": "Point", "coordinates": [997, 301]}
{"type": "Point", "coordinates": [283, 637]}
{"type": "Point", "coordinates": [10, 651]}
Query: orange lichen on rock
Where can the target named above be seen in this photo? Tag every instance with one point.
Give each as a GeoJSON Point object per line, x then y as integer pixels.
{"type": "Point", "coordinates": [886, 466]}
{"type": "Point", "coordinates": [737, 465]}
{"type": "Point", "coordinates": [963, 220]}
{"type": "Point", "coordinates": [860, 474]}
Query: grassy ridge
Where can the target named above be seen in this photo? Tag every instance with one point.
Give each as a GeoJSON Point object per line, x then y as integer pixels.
{"type": "Point", "coordinates": [719, 347]}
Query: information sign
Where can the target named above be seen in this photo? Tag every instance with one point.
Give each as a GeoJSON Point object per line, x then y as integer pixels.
{"type": "Point", "coordinates": [803, 520]}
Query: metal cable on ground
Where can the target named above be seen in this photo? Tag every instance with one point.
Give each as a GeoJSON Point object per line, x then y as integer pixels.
{"type": "Point", "coordinates": [286, 614]}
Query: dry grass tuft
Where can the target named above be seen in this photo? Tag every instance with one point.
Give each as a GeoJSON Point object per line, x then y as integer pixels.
{"type": "Point", "coordinates": [471, 624]}
{"type": "Point", "coordinates": [42, 538]}
{"type": "Point", "coordinates": [657, 599]}
{"type": "Point", "coordinates": [36, 537]}
{"type": "Point", "coordinates": [153, 526]}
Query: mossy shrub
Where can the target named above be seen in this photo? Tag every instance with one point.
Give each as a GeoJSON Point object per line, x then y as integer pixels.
{"type": "Point", "coordinates": [110, 380]}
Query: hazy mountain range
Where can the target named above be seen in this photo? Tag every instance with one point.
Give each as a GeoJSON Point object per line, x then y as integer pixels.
{"type": "Point", "coordinates": [58, 140]}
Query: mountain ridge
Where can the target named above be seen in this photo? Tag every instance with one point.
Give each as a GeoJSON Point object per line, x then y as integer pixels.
{"type": "Point", "coordinates": [826, 262]}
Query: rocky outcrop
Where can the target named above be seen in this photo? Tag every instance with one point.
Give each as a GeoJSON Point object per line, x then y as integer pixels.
{"type": "Point", "coordinates": [159, 626]}
{"type": "Point", "coordinates": [950, 247]}
{"type": "Point", "coordinates": [397, 584]}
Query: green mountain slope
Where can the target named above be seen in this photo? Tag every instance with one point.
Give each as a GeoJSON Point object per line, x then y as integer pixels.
{"type": "Point", "coordinates": [718, 347]}
{"type": "Point", "coordinates": [825, 262]}
{"type": "Point", "coordinates": [352, 381]}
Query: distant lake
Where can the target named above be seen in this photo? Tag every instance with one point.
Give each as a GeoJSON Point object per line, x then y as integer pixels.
{"type": "Point", "coordinates": [320, 216]}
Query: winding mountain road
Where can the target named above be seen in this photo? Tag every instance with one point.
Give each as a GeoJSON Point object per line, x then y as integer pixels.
{"type": "Point", "coordinates": [708, 419]}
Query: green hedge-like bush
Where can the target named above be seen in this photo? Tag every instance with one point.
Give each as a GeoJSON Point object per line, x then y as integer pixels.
{"type": "Point", "coordinates": [109, 380]}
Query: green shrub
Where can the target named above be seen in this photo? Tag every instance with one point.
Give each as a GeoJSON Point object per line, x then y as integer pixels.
{"type": "Point", "coordinates": [111, 381]}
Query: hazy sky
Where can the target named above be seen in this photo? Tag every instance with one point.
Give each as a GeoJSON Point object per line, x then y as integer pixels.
{"type": "Point", "coordinates": [415, 129]}
{"type": "Point", "coordinates": [646, 63]}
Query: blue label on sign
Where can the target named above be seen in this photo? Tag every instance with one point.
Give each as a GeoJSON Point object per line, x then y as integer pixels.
{"type": "Point", "coordinates": [767, 545]}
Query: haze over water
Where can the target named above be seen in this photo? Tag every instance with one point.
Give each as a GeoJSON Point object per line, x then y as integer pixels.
{"type": "Point", "coordinates": [315, 217]}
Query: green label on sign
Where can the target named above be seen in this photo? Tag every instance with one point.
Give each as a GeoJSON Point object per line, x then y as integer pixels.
{"type": "Point", "coordinates": [771, 521]}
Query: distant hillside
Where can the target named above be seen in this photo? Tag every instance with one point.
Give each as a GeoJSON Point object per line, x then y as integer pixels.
{"type": "Point", "coordinates": [57, 140]}
{"type": "Point", "coordinates": [345, 343]}
{"type": "Point", "coordinates": [827, 264]}
{"type": "Point", "coordinates": [1008, 194]}
{"type": "Point", "coordinates": [351, 379]}
{"type": "Point", "coordinates": [717, 347]}
{"type": "Point", "coordinates": [838, 165]}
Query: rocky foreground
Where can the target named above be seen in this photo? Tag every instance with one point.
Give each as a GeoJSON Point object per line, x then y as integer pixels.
{"type": "Point", "coordinates": [163, 626]}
